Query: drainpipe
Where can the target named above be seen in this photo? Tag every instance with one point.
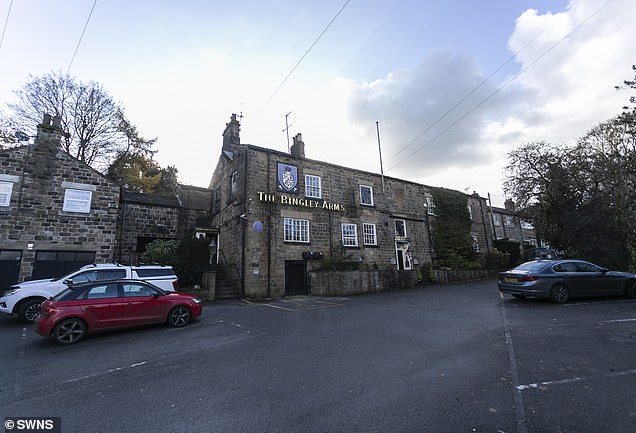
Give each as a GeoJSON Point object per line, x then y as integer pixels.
{"type": "Point", "coordinates": [243, 223]}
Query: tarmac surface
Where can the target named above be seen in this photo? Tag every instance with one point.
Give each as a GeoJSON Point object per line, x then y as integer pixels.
{"type": "Point", "coordinates": [456, 358]}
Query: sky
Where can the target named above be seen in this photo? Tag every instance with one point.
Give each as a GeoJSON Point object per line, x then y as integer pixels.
{"type": "Point", "coordinates": [454, 85]}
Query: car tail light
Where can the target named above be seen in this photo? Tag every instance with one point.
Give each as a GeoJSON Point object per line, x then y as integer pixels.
{"type": "Point", "coordinates": [529, 278]}
{"type": "Point", "coordinates": [175, 284]}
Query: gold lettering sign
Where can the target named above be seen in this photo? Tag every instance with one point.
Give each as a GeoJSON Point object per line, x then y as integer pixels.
{"type": "Point", "coordinates": [300, 202]}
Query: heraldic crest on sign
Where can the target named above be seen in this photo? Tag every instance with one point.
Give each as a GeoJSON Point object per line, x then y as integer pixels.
{"type": "Point", "coordinates": [287, 178]}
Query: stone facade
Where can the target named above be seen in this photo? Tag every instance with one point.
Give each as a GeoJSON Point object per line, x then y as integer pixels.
{"type": "Point", "coordinates": [55, 203]}
{"type": "Point", "coordinates": [507, 225]}
{"type": "Point", "coordinates": [275, 209]}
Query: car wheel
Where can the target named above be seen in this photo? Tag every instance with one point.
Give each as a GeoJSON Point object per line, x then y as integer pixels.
{"type": "Point", "coordinates": [630, 289]}
{"type": "Point", "coordinates": [69, 331]}
{"type": "Point", "coordinates": [559, 293]}
{"type": "Point", "coordinates": [518, 296]}
{"type": "Point", "coordinates": [179, 316]}
{"type": "Point", "coordinates": [29, 310]}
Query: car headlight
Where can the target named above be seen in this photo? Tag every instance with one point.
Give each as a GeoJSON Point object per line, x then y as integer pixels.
{"type": "Point", "coordinates": [196, 300]}
{"type": "Point", "coordinates": [12, 291]}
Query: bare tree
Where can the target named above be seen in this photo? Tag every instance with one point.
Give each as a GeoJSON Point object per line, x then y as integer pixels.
{"type": "Point", "coordinates": [94, 125]}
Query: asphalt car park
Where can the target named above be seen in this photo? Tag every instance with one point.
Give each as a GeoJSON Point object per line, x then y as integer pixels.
{"type": "Point", "coordinates": [459, 358]}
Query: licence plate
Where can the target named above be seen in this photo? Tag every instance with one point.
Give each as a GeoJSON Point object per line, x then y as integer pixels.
{"type": "Point", "coordinates": [510, 280]}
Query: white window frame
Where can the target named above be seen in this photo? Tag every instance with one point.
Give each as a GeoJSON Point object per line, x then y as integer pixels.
{"type": "Point", "coordinates": [371, 194]}
{"type": "Point", "coordinates": [313, 186]}
{"type": "Point", "coordinates": [395, 224]}
{"type": "Point", "coordinates": [526, 225]}
{"type": "Point", "coordinates": [430, 205]}
{"type": "Point", "coordinates": [475, 239]}
{"type": "Point", "coordinates": [6, 189]}
{"type": "Point", "coordinates": [369, 234]}
{"type": "Point", "coordinates": [77, 200]}
{"type": "Point", "coordinates": [496, 220]}
{"type": "Point", "coordinates": [509, 221]}
{"type": "Point", "coordinates": [296, 230]}
{"type": "Point", "coordinates": [349, 235]}
{"type": "Point", "coordinates": [470, 212]}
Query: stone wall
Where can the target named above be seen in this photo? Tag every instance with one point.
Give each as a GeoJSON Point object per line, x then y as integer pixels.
{"type": "Point", "coordinates": [346, 283]}
{"type": "Point", "coordinates": [35, 220]}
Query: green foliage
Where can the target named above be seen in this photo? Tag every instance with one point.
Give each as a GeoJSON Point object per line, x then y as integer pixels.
{"type": "Point", "coordinates": [452, 241]}
{"type": "Point", "coordinates": [189, 257]}
{"type": "Point", "coordinates": [497, 261]}
{"type": "Point", "coordinates": [138, 173]}
{"type": "Point", "coordinates": [582, 198]}
{"type": "Point", "coordinates": [510, 249]}
{"type": "Point", "coordinates": [339, 260]}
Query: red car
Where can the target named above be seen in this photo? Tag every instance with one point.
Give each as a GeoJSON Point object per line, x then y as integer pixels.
{"type": "Point", "coordinates": [104, 305]}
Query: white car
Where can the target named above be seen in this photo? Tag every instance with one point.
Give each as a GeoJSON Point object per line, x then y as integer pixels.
{"type": "Point", "coordinates": [22, 300]}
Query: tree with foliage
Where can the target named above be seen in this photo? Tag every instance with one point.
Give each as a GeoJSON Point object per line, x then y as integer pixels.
{"type": "Point", "coordinates": [137, 173]}
{"type": "Point", "coordinates": [451, 229]}
{"type": "Point", "coordinates": [629, 84]}
{"type": "Point", "coordinates": [582, 198]}
{"type": "Point", "coordinates": [188, 256]}
{"type": "Point", "coordinates": [94, 126]}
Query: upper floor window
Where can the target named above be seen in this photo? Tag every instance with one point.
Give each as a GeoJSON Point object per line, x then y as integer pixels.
{"type": "Point", "coordinates": [366, 195]}
{"type": "Point", "coordinates": [296, 230]}
{"type": "Point", "coordinates": [313, 186]}
{"type": "Point", "coordinates": [369, 234]}
{"type": "Point", "coordinates": [509, 221]}
{"type": "Point", "coordinates": [77, 200]}
{"type": "Point", "coordinates": [233, 185]}
{"type": "Point", "coordinates": [430, 205]}
{"type": "Point", "coordinates": [5, 193]}
{"type": "Point", "coordinates": [527, 225]}
{"type": "Point", "coordinates": [349, 235]}
{"type": "Point", "coordinates": [400, 228]}
{"type": "Point", "coordinates": [470, 212]}
{"type": "Point", "coordinates": [497, 219]}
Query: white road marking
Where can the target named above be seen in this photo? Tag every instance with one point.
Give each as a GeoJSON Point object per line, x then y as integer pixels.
{"type": "Point", "coordinates": [574, 379]}
{"type": "Point", "coordinates": [112, 370]}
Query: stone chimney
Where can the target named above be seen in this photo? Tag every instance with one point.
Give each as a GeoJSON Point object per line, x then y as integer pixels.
{"type": "Point", "coordinates": [49, 132]}
{"type": "Point", "coordinates": [231, 134]}
{"type": "Point", "coordinates": [510, 205]}
{"type": "Point", "coordinates": [298, 148]}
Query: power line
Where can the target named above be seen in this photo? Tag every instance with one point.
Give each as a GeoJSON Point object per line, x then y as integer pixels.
{"type": "Point", "coordinates": [6, 22]}
{"type": "Point", "coordinates": [81, 37]}
{"type": "Point", "coordinates": [307, 52]}
{"type": "Point", "coordinates": [501, 87]}
{"type": "Point", "coordinates": [511, 58]}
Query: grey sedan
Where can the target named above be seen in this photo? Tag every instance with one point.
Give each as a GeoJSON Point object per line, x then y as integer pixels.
{"type": "Point", "coordinates": [561, 280]}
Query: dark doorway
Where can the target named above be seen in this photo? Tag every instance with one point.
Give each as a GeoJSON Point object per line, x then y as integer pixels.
{"type": "Point", "coordinates": [295, 278]}
{"type": "Point", "coordinates": [9, 268]}
{"type": "Point", "coordinates": [53, 264]}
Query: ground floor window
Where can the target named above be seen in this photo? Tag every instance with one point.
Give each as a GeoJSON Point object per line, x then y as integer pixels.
{"type": "Point", "coordinates": [296, 230]}
{"type": "Point", "coordinates": [53, 264]}
{"type": "Point", "coordinates": [349, 235]}
{"type": "Point", "coordinates": [368, 233]}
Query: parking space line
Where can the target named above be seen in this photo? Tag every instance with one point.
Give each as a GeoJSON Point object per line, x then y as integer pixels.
{"type": "Point", "coordinates": [517, 398]}
{"type": "Point", "coordinates": [574, 379]}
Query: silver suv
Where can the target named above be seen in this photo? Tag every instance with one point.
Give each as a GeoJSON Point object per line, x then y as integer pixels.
{"type": "Point", "coordinates": [22, 300]}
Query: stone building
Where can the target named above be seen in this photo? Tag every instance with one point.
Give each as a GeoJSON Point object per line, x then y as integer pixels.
{"type": "Point", "coordinates": [55, 211]}
{"type": "Point", "coordinates": [508, 225]}
{"type": "Point", "coordinates": [279, 214]}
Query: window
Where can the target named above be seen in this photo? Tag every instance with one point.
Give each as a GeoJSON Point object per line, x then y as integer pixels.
{"type": "Point", "coordinates": [313, 186]}
{"type": "Point", "coordinates": [296, 230]}
{"type": "Point", "coordinates": [497, 220]}
{"type": "Point", "coordinates": [137, 289]}
{"type": "Point", "coordinates": [233, 185]}
{"type": "Point", "coordinates": [526, 225]}
{"type": "Point", "coordinates": [400, 228]}
{"type": "Point", "coordinates": [349, 235]}
{"type": "Point", "coordinates": [510, 222]}
{"type": "Point", "coordinates": [103, 291]}
{"type": "Point", "coordinates": [366, 195]}
{"type": "Point", "coordinates": [470, 212]}
{"type": "Point", "coordinates": [77, 200]}
{"type": "Point", "coordinates": [430, 205]}
{"type": "Point", "coordinates": [368, 234]}
{"type": "Point", "coordinates": [5, 193]}
{"type": "Point", "coordinates": [475, 244]}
